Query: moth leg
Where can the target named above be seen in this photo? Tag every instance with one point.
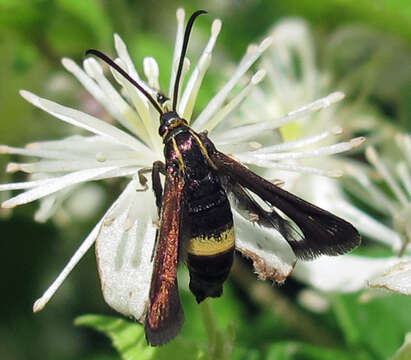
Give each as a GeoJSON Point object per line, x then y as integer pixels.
{"type": "Point", "coordinates": [142, 179]}
{"type": "Point", "coordinates": [158, 167]}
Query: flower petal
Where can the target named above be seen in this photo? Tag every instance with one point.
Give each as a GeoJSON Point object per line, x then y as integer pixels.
{"type": "Point", "coordinates": [55, 185]}
{"type": "Point", "coordinates": [327, 194]}
{"type": "Point", "coordinates": [253, 53]}
{"type": "Point", "coordinates": [77, 256]}
{"type": "Point", "coordinates": [91, 86]}
{"type": "Point", "coordinates": [397, 278]}
{"type": "Point", "coordinates": [187, 102]}
{"type": "Point", "coordinates": [344, 274]}
{"type": "Point", "coordinates": [125, 257]}
{"type": "Point", "coordinates": [178, 44]}
{"type": "Point", "coordinates": [228, 108]}
{"type": "Point", "coordinates": [85, 121]}
{"type": "Point", "coordinates": [248, 131]}
{"type": "Point", "coordinates": [125, 114]}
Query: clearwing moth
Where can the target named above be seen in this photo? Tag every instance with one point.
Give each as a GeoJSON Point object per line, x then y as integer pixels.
{"type": "Point", "coordinates": [196, 218]}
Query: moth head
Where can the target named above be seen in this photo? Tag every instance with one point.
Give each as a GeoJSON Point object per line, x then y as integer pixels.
{"type": "Point", "coordinates": [169, 121]}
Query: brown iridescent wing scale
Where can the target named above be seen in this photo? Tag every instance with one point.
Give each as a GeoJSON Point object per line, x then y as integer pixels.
{"type": "Point", "coordinates": [323, 232]}
{"type": "Point", "coordinates": [165, 316]}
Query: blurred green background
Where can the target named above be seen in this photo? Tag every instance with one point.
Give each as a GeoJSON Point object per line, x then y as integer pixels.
{"type": "Point", "coordinates": [34, 36]}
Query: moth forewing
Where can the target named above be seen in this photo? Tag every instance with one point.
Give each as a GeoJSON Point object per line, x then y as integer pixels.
{"type": "Point", "coordinates": [165, 315]}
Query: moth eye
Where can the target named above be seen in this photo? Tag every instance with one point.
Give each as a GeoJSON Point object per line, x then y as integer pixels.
{"type": "Point", "coordinates": [161, 98]}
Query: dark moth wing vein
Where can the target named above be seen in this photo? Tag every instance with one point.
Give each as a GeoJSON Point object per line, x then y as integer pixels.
{"type": "Point", "coordinates": [165, 315]}
{"type": "Point", "coordinates": [324, 233]}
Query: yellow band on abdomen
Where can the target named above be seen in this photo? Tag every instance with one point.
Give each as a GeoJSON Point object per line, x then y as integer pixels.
{"type": "Point", "coordinates": [212, 245]}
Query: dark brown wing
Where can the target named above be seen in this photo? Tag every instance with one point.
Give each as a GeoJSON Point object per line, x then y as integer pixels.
{"type": "Point", "coordinates": [246, 205]}
{"type": "Point", "coordinates": [165, 316]}
{"type": "Point", "coordinates": [323, 232]}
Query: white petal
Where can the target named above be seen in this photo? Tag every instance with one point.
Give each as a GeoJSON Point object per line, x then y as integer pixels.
{"type": "Point", "coordinates": [77, 256]}
{"type": "Point", "coordinates": [242, 133]}
{"type": "Point", "coordinates": [327, 194]}
{"type": "Point", "coordinates": [85, 121]}
{"type": "Point", "coordinates": [294, 167]}
{"type": "Point", "coordinates": [404, 142]}
{"type": "Point", "coordinates": [348, 273]}
{"type": "Point", "coordinates": [295, 144]}
{"type": "Point", "coordinates": [87, 243]}
{"type": "Point", "coordinates": [47, 154]}
{"type": "Point", "coordinates": [55, 185]}
{"type": "Point", "coordinates": [23, 185]}
{"type": "Point", "coordinates": [51, 203]}
{"type": "Point", "coordinates": [373, 157]}
{"type": "Point", "coordinates": [75, 165]}
{"type": "Point", "coordinates": [123, 54]}
{"type": "Point", "coordinates": [234, 103]}
{"type": "Point", "coordinates": [125, 114]}
{"type": "Point", "coordinates": [319, 151]}
{"type": "Point", "coordinates": [124, 259]}
{"type": "Point", "coordinates": [215, 103]}
{"type": "Point", "coordinates": [46, 209]}
{"type": "Point", "coordinates": [178, 44]}
{"type": "Point", "coordinates": [397, 278]}
{"type": "Point", "coordinates": [187, 102]}
{"type": "Point", "coordinates": [146, 127]}
{"type": "Point", "coordinates": [118, 172]}
{"type": "Point", "coordinates": [80, 143]}
{"type": "Point", "coordinates": [292, 43]}
{"type": "Point", "coordinates": [90, 85]}
{"type": "Point", "coordinates": [272, 257]}
{"type": "Point", "coordinates": [405, 176]}
{"type": "Point", "coordinates": [185, 69]}
{"type": "Point", "coordinates": [152, 72]}
{"type": "Point", "coordinates": [367, 191]}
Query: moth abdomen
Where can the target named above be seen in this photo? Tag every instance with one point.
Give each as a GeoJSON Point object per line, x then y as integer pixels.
{"type": "Point", "coordinates": [208, 273]}
{"type": "Point", "coordinates": [210, 248]}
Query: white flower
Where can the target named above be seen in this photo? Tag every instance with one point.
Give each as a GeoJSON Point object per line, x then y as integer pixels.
{"type": "Point", "coordinates": [293, 74]}
{"type": "Point", "coordinates": [125, 235]}
{"type": "Point", "coordinates": [390, 273]}
{"type": "Point", "coordinates": [396, 278]}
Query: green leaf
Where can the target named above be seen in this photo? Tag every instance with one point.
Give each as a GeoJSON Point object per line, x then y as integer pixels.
{"type": "Point", "coordinates": [377, 326]}
{"type": "Point", "coordinates": [91, 13]}
{"type": "Point", "coordinates": [129, 340]}
{"type": "Point", "coordinates": [127, 337]}
{"type": "Point", "coordinates": [296, 350]}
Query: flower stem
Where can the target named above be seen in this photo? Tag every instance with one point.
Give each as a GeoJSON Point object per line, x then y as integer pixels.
{"type": "Point", "coordinates": [219, 344]}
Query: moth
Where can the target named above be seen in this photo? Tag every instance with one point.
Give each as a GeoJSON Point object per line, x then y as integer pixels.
{"type": "Point", "coordinates": [195, 216]}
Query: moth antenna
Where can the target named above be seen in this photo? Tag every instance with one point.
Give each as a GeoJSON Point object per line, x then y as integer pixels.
{"type": "Point", "coordinates": [183, 54]}
{"type": "Point", "coordinates": [111, 63]}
